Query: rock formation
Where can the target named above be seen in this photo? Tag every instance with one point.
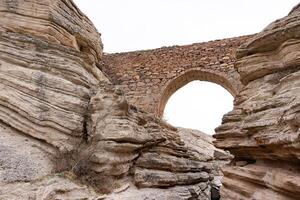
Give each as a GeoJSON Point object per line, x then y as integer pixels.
{"type": "Point", "coordinates": [68, 133]}
{"type": "Point", "coordinates": [262, 131]}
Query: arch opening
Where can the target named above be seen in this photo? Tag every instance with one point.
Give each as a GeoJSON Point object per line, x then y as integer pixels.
{"type": "Point", "coordinates": [196, 100]}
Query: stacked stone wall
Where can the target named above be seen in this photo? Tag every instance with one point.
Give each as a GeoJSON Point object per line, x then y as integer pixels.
{"type": "Point", "coordinates": [148, 78]}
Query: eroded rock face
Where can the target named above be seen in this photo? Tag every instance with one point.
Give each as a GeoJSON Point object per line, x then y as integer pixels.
{"type": "Point", "coordinates": [262, 131]}
{"type": "Point", "coordinates": [68, 133]}
{"type": "Point", "coordinates": [129, 147]}
{"type": "Point", "coordinates": [46, 82]}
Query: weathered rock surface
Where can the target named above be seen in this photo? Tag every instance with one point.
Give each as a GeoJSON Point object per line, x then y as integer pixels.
{"type": "Point", "coordinates": [67, 133]}
{"type": "Point", "coordinates": [262, 131]}
{"type": "Point", "coordinates": [46, 80]}
{"type": "Point", "coordinates": [48, 188]}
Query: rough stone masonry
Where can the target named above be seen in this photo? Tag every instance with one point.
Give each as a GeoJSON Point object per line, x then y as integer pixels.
{"type": "Point", "coordinates": [77, 124]}
{"type": "Point", "coordinates": [148, 78]}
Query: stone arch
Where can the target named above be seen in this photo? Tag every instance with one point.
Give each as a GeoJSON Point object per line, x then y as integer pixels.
{"type": "Point", "coordinates": [188, 76]}
{"type": "Point", "coordinates": [147, 76]}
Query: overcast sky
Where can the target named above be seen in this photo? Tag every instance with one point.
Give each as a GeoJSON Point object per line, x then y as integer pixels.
{"type": "Point", "coordinates": [128, 25]}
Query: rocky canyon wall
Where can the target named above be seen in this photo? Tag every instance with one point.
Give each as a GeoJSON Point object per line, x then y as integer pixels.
{"type": "Point", "coordinates": [49, 51]}
{"type": "Point", "coordinates": [262, 131]}
{"type": "Point", "coordinates": [66, 132]}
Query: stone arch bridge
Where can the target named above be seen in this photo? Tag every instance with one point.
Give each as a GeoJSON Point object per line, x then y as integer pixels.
{"type": "Point", "coordinates": [150, 77]}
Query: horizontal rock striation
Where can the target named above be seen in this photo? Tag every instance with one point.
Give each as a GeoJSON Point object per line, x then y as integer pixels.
{"type": "Point", "coordinates": [262, 131]}
{"type": "Point", "coordinates": [67, 133]}
{"type": "Point", "coordinates": [48, 57]}
{"type": "Point", "coordinates": [124, 141]}
{"type": "Point", "coordinates": [46, 79]}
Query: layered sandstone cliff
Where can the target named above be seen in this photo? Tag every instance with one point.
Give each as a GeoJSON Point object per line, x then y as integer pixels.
{"type": "Point", "coordinates": [67, 133]}
{"type": "Point", "coordinates": [262, 131]}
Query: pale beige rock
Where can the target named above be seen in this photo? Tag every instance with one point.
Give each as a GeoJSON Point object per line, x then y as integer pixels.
{"type": "Point", "coordinates": [48, 188]}
{"type": "Point", "coordinates": [123, 141]}
{"type": "Point", "coordinates": [45, 80]}
{"type": "Point", "coordinates": [21, 158]}
{"type": "Point", "coordinates": [262, 131]}
{"type": "Point", "coordinates": [160, 178]}
{"type": "Point", "coordinates": [67, 133]}
{"type": "Point", "coordinates": [197, 191]}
